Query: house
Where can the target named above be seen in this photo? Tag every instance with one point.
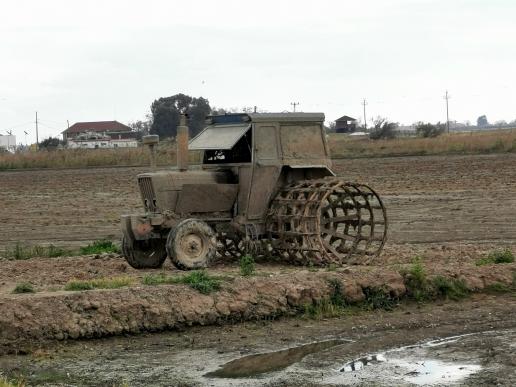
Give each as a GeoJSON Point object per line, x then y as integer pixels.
{"type": "Point", "coordinates": [345, 124]}
{"type": "Point", "coordinates": [8, 142]}
{"type": "Point", "coordinates": [100, 134]}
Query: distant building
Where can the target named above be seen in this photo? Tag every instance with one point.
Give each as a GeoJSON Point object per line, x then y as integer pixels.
{"type": "Point", "coordinates": [8, 142]}
{"type": "Point", "coordinates": [345, 124]}
{"type": "Point", "coordinates": [100, 134]}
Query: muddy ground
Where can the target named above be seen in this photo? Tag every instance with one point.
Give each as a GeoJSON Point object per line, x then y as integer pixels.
{"type": "Point", "coordinates": [186, 358]}
{"type": "Point", "coordinates": [450, 211]}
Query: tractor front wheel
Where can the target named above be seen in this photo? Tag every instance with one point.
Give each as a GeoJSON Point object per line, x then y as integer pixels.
{"type": "Point", "coordinates": [148, 254]}
{"type": "Point", "coordinates": [191, 244]}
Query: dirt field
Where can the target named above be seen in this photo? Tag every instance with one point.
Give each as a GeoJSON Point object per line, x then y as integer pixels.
{"type": "Point", "coordinates": [451, 211]}
{"type": "Point", "coordinates": [429, 199]}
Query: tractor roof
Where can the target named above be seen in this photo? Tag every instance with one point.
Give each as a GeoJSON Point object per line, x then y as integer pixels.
{"type": "Point", "coordinates": [224, 131]}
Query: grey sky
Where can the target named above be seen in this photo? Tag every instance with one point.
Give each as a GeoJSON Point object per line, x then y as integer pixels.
{"type": "Point", "coordinates": [102, 60]}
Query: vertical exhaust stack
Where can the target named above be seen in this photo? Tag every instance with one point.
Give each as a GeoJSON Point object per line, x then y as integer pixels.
{"type": "Point", "coordinates": [151, 141]}
{"type": "Point", "coordinates": [182, 144]}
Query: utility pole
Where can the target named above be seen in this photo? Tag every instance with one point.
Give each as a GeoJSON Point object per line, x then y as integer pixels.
{"type": "Point", "coordinates": [294, 104]}
{"type": "Point", "coordinates": [37, 138]}
{"type": "Point", "coordinates": [364, 103]}
{"type": "Point", "coordinates": [25, 137]}
{"type": "Point", "coordinates": [447, 97]}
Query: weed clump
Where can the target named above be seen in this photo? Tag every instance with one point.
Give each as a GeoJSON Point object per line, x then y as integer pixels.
{"type": "Point", "coordinates": [99, 247]}
{"type": "Point", "coordinates": [4, 382]}
{"type": "Point", "coordinates": [451, 288]}
{"type": "Point", "coordinates": [23, 287]}
{"type": "Point", "coordinates": [247, 267]}
{"type": "Point", "coordinates": [198, 280]}
{"type": "Point", "coordinates": [499, 287]}
{"type": "Point", "coordinates": [378, 298]}
{"type": "Point", "coordinates": [416, 281]}
{"type": "Point", "coordinates": [101, 283]}
{"type": "Point", "coordinates": [496, 257]}
{"type": "Point", "coordinates": [21, 252]}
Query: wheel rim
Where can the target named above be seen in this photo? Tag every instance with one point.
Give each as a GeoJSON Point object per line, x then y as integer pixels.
{"type": "Point", "coordinates": [192, 247]}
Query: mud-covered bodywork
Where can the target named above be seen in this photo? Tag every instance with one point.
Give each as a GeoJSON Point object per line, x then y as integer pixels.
{"type": "Point", "coordinates": [248, 161]}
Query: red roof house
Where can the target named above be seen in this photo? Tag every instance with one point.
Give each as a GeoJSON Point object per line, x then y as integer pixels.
{"type": "Point", "coordinates": [113, 129]}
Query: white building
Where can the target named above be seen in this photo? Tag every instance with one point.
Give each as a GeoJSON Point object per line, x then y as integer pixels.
{"type": "Point", "coordinates": [8, 142]}
{"type": "Point", "coordinates": [92, 140]}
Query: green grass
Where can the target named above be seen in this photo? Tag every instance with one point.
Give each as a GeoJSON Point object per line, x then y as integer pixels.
{"type": "Point", "coordinates": [451, 288]}
{"type": "Point", "coordinates": [496, 257]}
{"type": "Point", "coordinates": [246, 264]}
{"type": "Point", "coordinates": [20, 252]}
{"type": "Point", "coordinates": [101, 283]}
{"type": "Point", "coordinates": [4, 382]}
{"type": "Point", "coordinates": [416, 281]}
{"type": "Point", "coordinates": [99, 247]}
{"type": "Point", "coordinates": [199, 280]}
{"type": "Point", "coordinates": [499, 287]}
{"type": "Point", "coordinates": [23, 287]}
{"type": "Point", "coordinates": [378, 298]}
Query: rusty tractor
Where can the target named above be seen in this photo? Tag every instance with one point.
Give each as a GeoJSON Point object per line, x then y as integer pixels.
{"type": "Point", "coordinates": [264, 186]}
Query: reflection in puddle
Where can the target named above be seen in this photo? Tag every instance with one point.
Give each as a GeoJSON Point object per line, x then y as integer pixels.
{"type": "Point", "coordinates": [435, 371]}
{"type": "Point", "coordinates": [358, 364]}
{"type": "Point", "coordinates": [273, 361]}
{"type": "Point", "coordinates": [425, 372]}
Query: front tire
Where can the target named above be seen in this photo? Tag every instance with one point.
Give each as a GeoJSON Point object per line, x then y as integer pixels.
{"type": "Point", "coordinates": [191, 244]}
{"type": "Point", "coordinates": [148, 254]}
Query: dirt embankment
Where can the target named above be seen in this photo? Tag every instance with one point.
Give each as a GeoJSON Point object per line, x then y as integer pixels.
{"type": "Point", "coordinates": [28, 319]}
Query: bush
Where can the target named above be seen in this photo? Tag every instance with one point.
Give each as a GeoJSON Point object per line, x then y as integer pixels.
{"type": "Point", "coordinates": [416, 281]}
{"type": "Point", "coordinates": [246, 265]}
{"type": "Point", "coordinates": [452, 288]}
{"type": "Point", "coordinates": [23, 287]}
{"type": "Point", "coordinates": [383, 129]}
{"type": "Point", "coordinates": [496, 257]}
{"type": "Point", "coordinates": [429, 130]}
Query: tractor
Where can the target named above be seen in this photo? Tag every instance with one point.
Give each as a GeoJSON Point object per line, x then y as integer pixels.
{"type": "Point", "coordinates": [265, 186]}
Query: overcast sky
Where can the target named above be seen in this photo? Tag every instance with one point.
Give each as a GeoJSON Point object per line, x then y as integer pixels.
{"type": "Point", "coordinates": [104, 60]}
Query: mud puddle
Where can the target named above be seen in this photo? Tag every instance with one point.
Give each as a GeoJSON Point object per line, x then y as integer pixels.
{"type": "Point", "coordinates": [258, 364]}
{"type": "Point", "coordinates": [355, 351]}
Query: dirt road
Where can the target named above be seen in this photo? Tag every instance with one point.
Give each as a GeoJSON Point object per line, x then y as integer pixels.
{"type": "Point", "coordinates": [429, 199]}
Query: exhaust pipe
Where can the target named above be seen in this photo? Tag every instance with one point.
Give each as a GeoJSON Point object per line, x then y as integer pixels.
{"type": "Point", "coordinates": [151, 141]}
{"type": "Point", "coordinates": [182, 144]}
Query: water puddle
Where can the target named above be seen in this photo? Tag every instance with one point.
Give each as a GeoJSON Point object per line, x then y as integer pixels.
{"type": "Point", "coordinates": [424, 372]}
{"type": "Point", "coordinates": [435, 371]}
{"type": "Point", "coordinates": [253, 365]}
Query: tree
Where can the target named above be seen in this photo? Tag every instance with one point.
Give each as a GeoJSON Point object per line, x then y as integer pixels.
{"type": "Point", "coordinates": [50, 143]}
{"type": "Point", "coordinates": [166, 111]}
{"type": "Point", "coordinates": [383, 129]}
{"type": "Point", "coordinates": [482, 121]}
{"type": "Point", "coordinates": [429, 130]}
{"type": "Point", "coordinates": [141, 128]}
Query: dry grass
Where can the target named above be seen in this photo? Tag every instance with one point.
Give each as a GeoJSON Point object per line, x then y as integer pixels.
{"type": "Point", "coordinates": [79, 158]}
{"type": "Point", "coordinates": [499, 141]}
{"type": "Point", "coordinates": [342, 146]}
